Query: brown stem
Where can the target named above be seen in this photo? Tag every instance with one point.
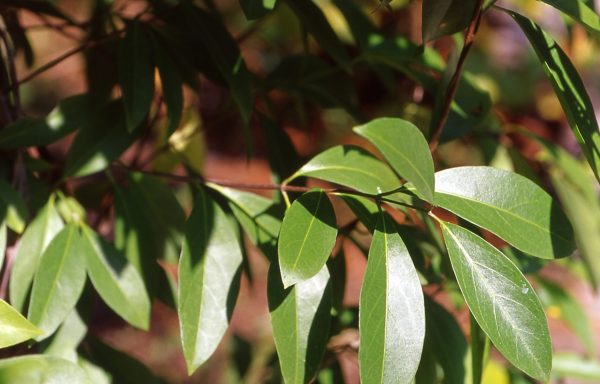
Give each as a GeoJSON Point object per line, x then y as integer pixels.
{"type": "Point", "coordinates": [451, 90]}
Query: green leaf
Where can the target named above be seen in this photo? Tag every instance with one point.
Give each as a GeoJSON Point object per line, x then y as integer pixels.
{"type": "Point", "coordinates": [117, 281]}
{"type": "Point", "coordinates": [571, 366]}
{"type": "Point", "coordinates": [406, 150]}
{"type": "Point", "coordinates": [300, 316]}
{"type": "Point", "coordinates": [16, 209]}
{"type": "Point", "coordinates": [508, 205]}
{"type": "Point", "coordinates": [569, 89]}
{"type": "Point", "coordinates": [3, 235]}
{"type": "Point", "coordinates": [40, 369]}
{"type": "Point", "coordinates": [579, 11]}
{"type": "Point", "coordinates": [446, 17]}
{"type": "Point", "coordinates": [391, 312]}
{"type": "Point", "coordinates": [171, 83]}
{"type": "Point", "coordinates": [259, 217]}
{"type": "Point", "coordinates": [351, 167]}
{"type": "Point", "coordinates": [364, 209]}
{"type": "Point", "coordinates": [209, 273]}
{"type": "Point", "coordinates": [99, 142]}
{"type": "Point", "coordinates": [136, 74]}
{"type": "Point", "coordinates": [501, 300]}
{"type": "Point", "coordinates": [307, 236]}
{"type": "Point", "coordinates": [68, 115]}
{"type": "Point", "coordinates": [255, 9]}
{"type": "Point", "coordinates": [313, 20]}
{"type": "Point", "coordinates": [66, 340]}
{"type": "Point", "coordinates": [58, 282]}
{"type": "Point", "coordinates": [14, 328]}
{"type": "Point", "coordinates": [36, 238]}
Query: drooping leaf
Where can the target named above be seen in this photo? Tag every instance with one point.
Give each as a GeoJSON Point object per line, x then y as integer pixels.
{"type": "Point", "coordinates": [300, 316]}
{"type": "Point", "coordinates": [259, 217]}
{"type": "Point", "coordinates": [36, 238]}
{"type": "Point", "coordinates": [313, 20]}
{"type": "Point", "coordinates": [445, 17]}
{"type": "Point", "coordinates": [171, 84]}
{"type": "Point", "coordinates": [209, 272]}
{"type": "Point", "coordinates": [569, 89]}
{"type": "Point", "coordinates": [14, 328]}
{"type": "Point", "coordinates": [117, 281]}
{"type": "Point", "coordinates": [508, 205]}
{"type": "Point", "coordinates": [307, 236]}
{"type": "Point", "coordinates": [501, 300]}
{"type": "Point", "coordinates": [58, 282]}
{"type": "Point", "coordinates": [40, 369]}
{"type": "Point", "coordinates": [351, 167]}
{"type": "Point", "coordinates": [405, 148]}
{"type": "Point", "coordinates": [101, 140]}
{"type": "Point", "coordinates": [68, 115]}
{"type": "Point", "coordinates": [255, 9]}
{"type": "Point", "coordinates": [579, 11]}
{"type": "Point", "coordinates": [16, 209]}
{"type": "Point", "coordinates": [66, 340]}
{"type": "Point", "coordinates": [391, 312]}
{"type": "Point", "coordinates": [136, 74]}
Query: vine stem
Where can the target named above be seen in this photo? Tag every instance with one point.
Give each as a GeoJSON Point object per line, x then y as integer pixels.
{"type": "Point", "coordinates": [453, 85]}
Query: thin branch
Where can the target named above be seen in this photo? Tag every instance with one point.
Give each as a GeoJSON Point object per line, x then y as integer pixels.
{"type": "Point", "coordinates": [10, 53]}
{"type": "Point", "coordinates": [453, 85]}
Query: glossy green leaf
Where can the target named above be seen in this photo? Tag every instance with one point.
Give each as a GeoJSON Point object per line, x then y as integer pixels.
{"type": "Point", "coordinates": [68, 115]}
{"type": "Point", "coordinates": [391, 314]}
{"type": "Point", "coordinates": [14, 328]}
{"type": "Point", "coordinates": [569, 89]}
{"type": "Point", "coordinates": [40, 369]}
{"type": "Point", "coordinates": [209, 273]}
{"type": "Point", "coordinates": [100, 141]}
{"type": "Point", "coordinates": [351, 167]}
{"type": "Point", "coordinates": [313, 20]}
{"type": "Point", "coordinates": [579, 11]}
{"type": "Point", "coordinates": [445, 17]}
{"type": "Point", "coordinates": [117, 282]}
{"type": "Point", "coordinates": [171, 83]}
{"type": "Point", "coordinates": [501, 300]}
{"type": "Point", "coordinates": [508, 205]}
{"type": "Point", "coordinates": [58, 282]}
{"type": "Point", "coordinates": [255, 9]}
{"type": "Point", "coordinates": [300, 316]}
{"type": "Point", "coordinates": [136, 74]}
{"type": "Point", "coordinates": [307, 236]}
{"type": "Point", "coordinates": [406, 150]}
{"type": "Point", "coordinates": [36, 238]}
{"type": "Point", "coordinates": [259, 217]}
{"type": "Point", "coordinates": [16, 210]}
{"type": "Point", "coordinates": [66, 340]}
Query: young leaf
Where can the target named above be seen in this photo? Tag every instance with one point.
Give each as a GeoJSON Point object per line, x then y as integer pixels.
{"type": "Point", "coordinates": [68, 115]}
{"type": "Point", "coordinates": [579, 11]}
{"type": "Point", "coordinates": [14, 328]}
{"type": "Point", "coordinates": [209, 273]}
{"type": "Point", "coordinates": [136, 74]}
{"type": "Point", "coordinates": [569, 89]}
{"type": "Point", "coordinates": [117, 281]}
{"type": "Point", "coordinates": [313, 20]}
{"type": "Point", "coordinates": [171, 84]}
{"type": "Point", "coordinates": [501, 300]}
{"type": "Point", "coordinates": [255, 9]}
{"type": "Point", "coordinates": [406, 150]}
{"type": "Point", "coordinates": [445, 17]}
{"type": "Point", "coordinates": [300, 316]}
{"type": "Point", "coordinates": [40, 369]}
{"type": "Point", "coordinates": [351, 167]}
{"type": "Point", "coordinates": [16, 209]}
{"type": "Point", "coordinates": [307, 237]}
{"type": "Point", "coordinates": [58, 282]}
{"type": "Point", "coordinates": [36, 238]}
{"type": "Point", "coordinates": [508, 205]}
{"type": "Point", "coordinates": [391, 312]}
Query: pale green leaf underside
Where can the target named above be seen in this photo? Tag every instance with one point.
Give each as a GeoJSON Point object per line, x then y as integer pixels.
{"type": "Point", "coordinates": [405, 148]}
{"type": "Point", "coordinates": [391, 313]}
{"type": "Point", "coordinates": [508, 205]}
{"type": "Point", "coordinates": [501, 300]}
{"type": "Point", "coordinates": [578, 11]}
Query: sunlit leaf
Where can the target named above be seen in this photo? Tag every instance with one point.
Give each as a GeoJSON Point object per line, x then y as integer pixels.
{"type": "Point", "coordinates": [14, 328]}
{"type": "Point", "coordinates": [40, 369]}
{"type": "Point", "coordinates": [66, 340]}
{"type": "Point", "coordinates": [16, 210]}
{"type": "Point", "coordinates": [579, 11]}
